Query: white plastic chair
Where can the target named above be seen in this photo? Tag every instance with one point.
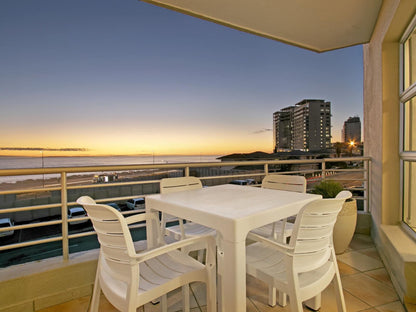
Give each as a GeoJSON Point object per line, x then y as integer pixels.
{"type": "Point", "coordinates": [188, 229]}
{"type": "Point", "coordinates": [129, 279]}
{"type": "Point", "coordinates": [307, 265]}
{"type": "Point", "coordinates": [280, 230]}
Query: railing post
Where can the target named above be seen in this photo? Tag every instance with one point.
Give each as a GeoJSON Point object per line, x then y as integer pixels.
{"type": "Point", "coordinates": [368, 186]}
{"type": "Point", "coordinates": [186, 171]}
{"type": "Point", "coordinates": [266, 169]}
{"type": "Point", "coordinates": [64, 214]}
{"type": "Point", "coordinates": [323, 169]}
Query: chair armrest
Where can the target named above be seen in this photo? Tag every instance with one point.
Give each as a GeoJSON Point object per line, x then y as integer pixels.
{"type": "Point", "coordinates": [208, 239]}
{"type": "Point", "coordinates": [141, 217]}
{"type": "Point", "coordinates": [286, 249]}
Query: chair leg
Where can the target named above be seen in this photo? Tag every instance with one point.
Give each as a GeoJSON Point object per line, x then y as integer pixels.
{"type": "Point", "coordinates": [95, 300]}
{"type": "Point", "coordinates": [164, 303]}
{"type": "Point", "coordinates": [339, 293]}
{"type": "Point", "coordinates": [338, 286]}
{"type": "Point", "coordinates": [211, 288]}
{"type": "Point", "coordinates": [282, 299]}
{"type": "Point", "coordinates": [272, 296]}
{"type": "Point", "coordinates": [314, 303]}
{"type": "Point", "coordinates": [185, 298]}
{"type": "Point", "coordinates": [293, 290]}
{"type": "Point", "coordinates": [295, 304]}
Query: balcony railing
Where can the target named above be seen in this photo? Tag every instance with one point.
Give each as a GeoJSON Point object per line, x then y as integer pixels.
{"type": "Point", "coordinates": [40, 211]}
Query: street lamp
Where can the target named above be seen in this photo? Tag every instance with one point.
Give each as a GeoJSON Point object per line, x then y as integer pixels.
{"type": "Point", "coordinates": [351, 145]}
{"type": "Point", "coordinates": [43, 179]}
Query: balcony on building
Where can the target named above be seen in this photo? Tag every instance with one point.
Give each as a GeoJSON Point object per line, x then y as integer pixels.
{"type": "Point", "coordinates": [386, 231]}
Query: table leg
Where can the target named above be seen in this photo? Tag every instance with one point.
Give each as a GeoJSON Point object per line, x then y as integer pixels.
{"type": "Point", "coordinates": [232, 276]}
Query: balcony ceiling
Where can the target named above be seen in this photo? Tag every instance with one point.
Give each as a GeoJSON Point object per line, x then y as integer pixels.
{"type": "Point", "coordinates": [318, 25]}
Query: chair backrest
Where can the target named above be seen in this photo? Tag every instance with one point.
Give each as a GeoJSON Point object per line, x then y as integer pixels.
{"type": "Point", "coordinates": [114, 237]}
{"type": "Point", "coordinates": [284, 182]}
{"type": "Point", "coordinates": [344, 195]}
{"type": "Point", "coordinates": [171, 185]}
{"type": "Point", "coordinates": [312, 233]}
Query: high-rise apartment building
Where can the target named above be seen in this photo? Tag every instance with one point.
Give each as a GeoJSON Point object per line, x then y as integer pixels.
{"type": "Point", "coordinates": [352, 130]}
{"type": "Point", "coordinates": [305, 126]}
{"type": "Point", "coordinates": [283, 128]}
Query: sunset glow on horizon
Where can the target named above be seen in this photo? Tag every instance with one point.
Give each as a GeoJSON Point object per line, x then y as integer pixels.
{"type": "Point", "coordinates": [103, 141]}
{"type": "Point", "coordinates": [129, 78]}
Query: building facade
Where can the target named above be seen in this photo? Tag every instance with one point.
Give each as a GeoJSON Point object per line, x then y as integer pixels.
{"type": "Point", "coordinates": [351, 131]}
{"type": "Point", "coordinates": [283, 129]}
{"type": "Point", "coordinates": [305, 126]}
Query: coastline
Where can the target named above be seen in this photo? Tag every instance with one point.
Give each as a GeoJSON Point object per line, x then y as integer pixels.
{"type": "Point", "coordinates": [78, 179]}
{"type": "Point", "coordinates": [8, 183]}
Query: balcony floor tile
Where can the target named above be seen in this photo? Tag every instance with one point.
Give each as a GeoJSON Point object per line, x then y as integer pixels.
{"type": "Point", "coordinates": [360, 261]}
{"type": "Point", "coordinates": [367, 288]}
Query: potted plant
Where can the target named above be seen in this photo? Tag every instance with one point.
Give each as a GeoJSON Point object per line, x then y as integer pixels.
{"type": "Point", "coordinates": [347, 218]}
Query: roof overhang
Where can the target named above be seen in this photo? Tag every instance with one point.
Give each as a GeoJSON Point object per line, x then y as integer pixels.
{"type": "Point", "coordinates": [318, 25]}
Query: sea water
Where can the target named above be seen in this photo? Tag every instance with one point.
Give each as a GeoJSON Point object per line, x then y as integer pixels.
{"type": "Point", "coordinates": [18, 162]}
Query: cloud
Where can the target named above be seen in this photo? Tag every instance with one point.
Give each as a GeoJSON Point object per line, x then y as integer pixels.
{"type": "Point", "coordinates": [262, 131]}
{"type": "Point", "coordinates": [65, 149]}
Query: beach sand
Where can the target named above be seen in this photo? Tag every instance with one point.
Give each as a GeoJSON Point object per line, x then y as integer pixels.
{"type": "Point", "coordinates": [84, 179]}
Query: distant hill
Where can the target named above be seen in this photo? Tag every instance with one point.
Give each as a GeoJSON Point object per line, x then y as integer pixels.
{"type": "Point", "coordinates": [272, 156]}
{"type": "Point", "coordinates": [247, 156]}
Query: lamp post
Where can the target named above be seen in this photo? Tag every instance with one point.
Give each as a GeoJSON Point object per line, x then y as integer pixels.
{"type": "Point", "coordinates": [43, 175]}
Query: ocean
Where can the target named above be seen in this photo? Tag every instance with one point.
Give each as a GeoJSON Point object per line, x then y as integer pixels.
{"type": "Point", "coordinates": [18, 162]}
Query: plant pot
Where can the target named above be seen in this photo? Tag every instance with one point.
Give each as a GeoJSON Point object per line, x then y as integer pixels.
{"type": "Point", "coordinates": [345, 226]}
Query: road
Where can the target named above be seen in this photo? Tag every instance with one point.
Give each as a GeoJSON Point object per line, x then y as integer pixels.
{"type": "Point", "coordinates": [53, 249]}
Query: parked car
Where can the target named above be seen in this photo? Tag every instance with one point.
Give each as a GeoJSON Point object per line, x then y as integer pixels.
{"type": "Point", "coordinates": [136, 203]}
{"type": "Point", "coordinates": [105, 178]}
{"type": "Point", "coordinates": [243, 182]}
{"type": "Point", "coordinates": [251, 181]}
{"type": "Point", "coordinates": [6, 222]}
{"type": "Point", "coordinates": [115, 206]}
{"type": "Point", "coordinates": [77, 212]}
{"type": "Point", "coordinates": [239, 182]}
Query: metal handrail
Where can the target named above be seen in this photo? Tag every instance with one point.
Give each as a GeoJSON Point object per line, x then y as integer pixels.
{"type": "Point", "coordinates": [64, 187]}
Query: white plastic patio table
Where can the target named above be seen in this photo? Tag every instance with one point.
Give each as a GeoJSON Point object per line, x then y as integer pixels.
{"type": "Point", "coordinates": [233, 211]}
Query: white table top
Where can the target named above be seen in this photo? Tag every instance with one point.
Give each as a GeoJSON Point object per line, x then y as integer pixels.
{"type": "Point", "coordinates": [233, 210]}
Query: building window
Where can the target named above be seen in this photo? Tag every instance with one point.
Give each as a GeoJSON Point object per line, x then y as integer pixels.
{"type": "Point", "coordinates": [408, 125]}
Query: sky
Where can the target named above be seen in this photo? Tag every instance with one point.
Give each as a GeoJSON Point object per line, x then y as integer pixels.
{"type": "Point", "coordinates": [120, 77]}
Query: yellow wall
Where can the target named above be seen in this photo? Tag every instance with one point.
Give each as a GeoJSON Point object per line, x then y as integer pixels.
{"type": "Point", "coordinates": [382, 110]}
{"type": "Point", "coordinates": [391, 209]}
{"type": "Point", "coordinates": [381, 130]}
{"type": "Point", "coordinates": [375, 117]}
{"type": "Point", "coordinates": [391, 111]}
